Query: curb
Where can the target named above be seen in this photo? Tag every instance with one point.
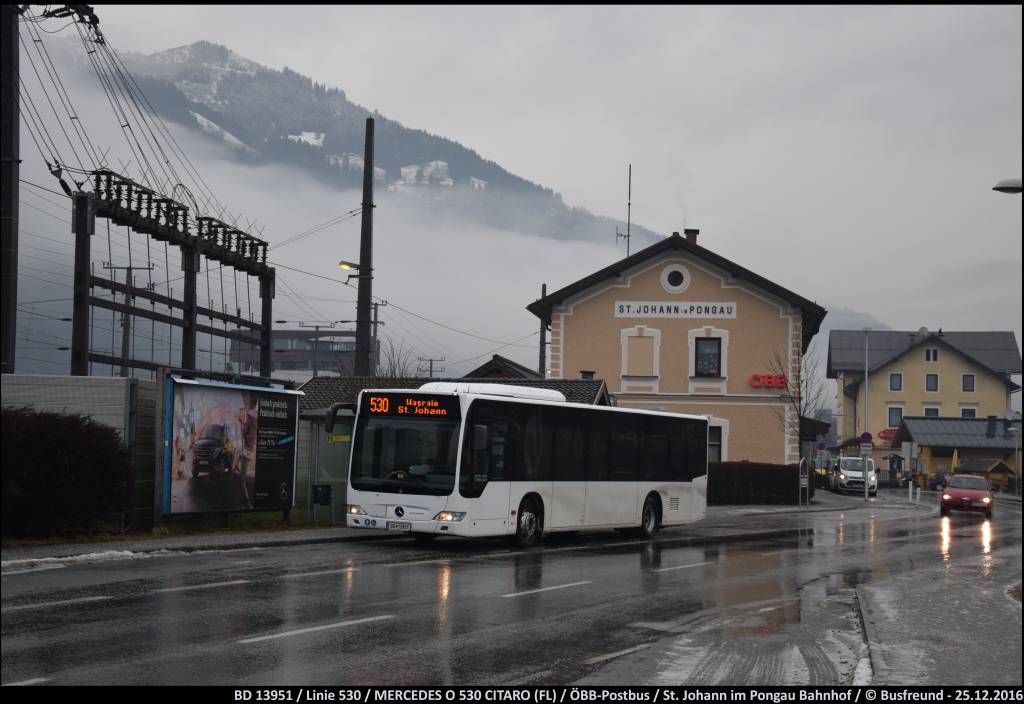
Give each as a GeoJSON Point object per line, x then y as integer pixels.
{"type": "Point", "coordinates": [864, 610]}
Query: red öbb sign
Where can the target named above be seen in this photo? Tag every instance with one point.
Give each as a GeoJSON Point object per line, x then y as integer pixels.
{"type": "Point", "coordinates": [774, 381]}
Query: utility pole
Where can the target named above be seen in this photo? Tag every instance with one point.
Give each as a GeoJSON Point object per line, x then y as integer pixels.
{"type": "Point", "coordinates": [365, 295]}
{"type": "Point", "coordinates": [542, 357]}
{"type": "Point", "coordinates": [126, 318]}
{"type": "Point", "coordinates": [10, 159]}
{"type": "Point", "coordinates": [430, 361]}
{"type": "Point", "coordinates": [376, 322]}
{"type": "Point", "coordinates": [83, 224]}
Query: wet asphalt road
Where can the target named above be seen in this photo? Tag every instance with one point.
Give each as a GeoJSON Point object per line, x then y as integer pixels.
{"type": "Point", "coordinates": [692, 606]}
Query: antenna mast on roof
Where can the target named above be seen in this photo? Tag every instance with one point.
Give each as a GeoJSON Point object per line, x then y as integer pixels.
{"type": "Point", "coordinates": [629, 206]}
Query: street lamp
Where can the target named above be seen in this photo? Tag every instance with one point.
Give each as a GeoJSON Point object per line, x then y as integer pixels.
{"type": "Point", "coordinates": [350, 266]}
{"type": "Point", "coordinates": [1008, 185]}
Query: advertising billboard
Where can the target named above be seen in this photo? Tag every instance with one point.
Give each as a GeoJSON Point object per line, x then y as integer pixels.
{"type": "Point", "coordinates": [228, 447]}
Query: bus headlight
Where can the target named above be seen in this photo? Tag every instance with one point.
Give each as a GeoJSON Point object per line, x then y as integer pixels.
{"type": "Point", "coordinates": [356, 510]}
{"type": "Point", "coordinates": [450, 516]}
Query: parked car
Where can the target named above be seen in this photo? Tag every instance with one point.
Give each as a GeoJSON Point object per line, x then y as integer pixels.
{"type": "Point", "coordinates": [967, 492]}
{"type": "Point", "coordinates": [847, 474]}
{"type": "Point", "coordinates": [214, 453]}
{"type": "Point", "coordinates": [937, 481]}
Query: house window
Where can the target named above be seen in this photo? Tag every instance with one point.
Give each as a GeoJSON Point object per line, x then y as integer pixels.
{"type": "Point", "coordinates": [895, 416]}
{"type": "Point", "coordinates": [709, 357]}
{"type": "Point", "coordinates": [968, 412]}
{"type": "Point", "coordinates": [967, 383]}
{"type": "Point", "coordinates": [714, 443]}
{"type": "Point", "coordinates": [895, 382]}
{"type": "Point", "coordinates": [931, 354]}
{"type": "Point", "coordinates": [931, 411]}
{"type": "Point", "coordinates": [931, 382]}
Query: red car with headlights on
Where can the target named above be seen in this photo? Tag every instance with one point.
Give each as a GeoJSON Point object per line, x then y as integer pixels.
{"type": "Point", "coordinates": [966, 492]}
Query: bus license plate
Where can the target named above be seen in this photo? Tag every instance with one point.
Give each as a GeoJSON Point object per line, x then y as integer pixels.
{"type": "Point", "coordinates": [395, 525]}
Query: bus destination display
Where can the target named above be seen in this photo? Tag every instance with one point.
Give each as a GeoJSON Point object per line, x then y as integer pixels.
{"type": "Point", "coordinates": [409, 405]}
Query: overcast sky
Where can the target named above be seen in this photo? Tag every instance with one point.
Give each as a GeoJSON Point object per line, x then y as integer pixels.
{"type": "Point", "coordinates": [847, 153]}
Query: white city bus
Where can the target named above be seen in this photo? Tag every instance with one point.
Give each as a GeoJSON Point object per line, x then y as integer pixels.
{"type": "Point", "coordinates": [480, 460]}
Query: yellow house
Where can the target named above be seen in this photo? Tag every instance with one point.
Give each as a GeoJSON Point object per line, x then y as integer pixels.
{"type": "Point", "coordinates": [679, 328]}
{"type": "Point", "coordinates": [928, 374]}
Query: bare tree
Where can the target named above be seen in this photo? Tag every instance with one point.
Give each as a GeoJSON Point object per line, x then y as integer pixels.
{"type": "Point", "coordinates": [804, 396]}
{"type": "Point", "coordinates": [396, 360]}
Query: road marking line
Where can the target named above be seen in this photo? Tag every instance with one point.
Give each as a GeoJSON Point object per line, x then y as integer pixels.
{"type": "Point", "coordinates": [23, 683]}
{"type": "Point", "coordinates": [609, 656]}
{"type": "Point", "coordinates": [317, 574]}
{"type": "Point", "coordinates": [314, 629]}
{"type": "Point", "coordinates": [202, 586]}
{"type": "Point", "coordinates": [682, 567]}
{"type": "Point", "coordinates": [82, 600]}
{"type": "Point", "coordinates": [545, 589]}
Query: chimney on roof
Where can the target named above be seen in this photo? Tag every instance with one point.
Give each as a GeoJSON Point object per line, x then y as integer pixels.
{"type": "Point", "coordinates": [586, 374]}
{"type": "Point", "coordinates": [691, 235]}
{"type": "Point", "coordinates": [990, 429]}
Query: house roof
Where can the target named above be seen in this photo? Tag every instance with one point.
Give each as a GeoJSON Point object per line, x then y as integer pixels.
{"type": "Point", "coordinates": [812, 312]}
{"type": "Point", "coordinates": [506, 368]}
{"type": "Point", "coordinates": [323, 391]}
{"type": "Point", "coordinates": [960, 433]}
{"type": "Point", "coordinates": [996, 351]}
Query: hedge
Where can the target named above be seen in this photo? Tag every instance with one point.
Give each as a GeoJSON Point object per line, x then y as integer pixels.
{"type": "Point", "coordinates": [60, 474]}
{"type": "Point", "coordinates": [753, 483]}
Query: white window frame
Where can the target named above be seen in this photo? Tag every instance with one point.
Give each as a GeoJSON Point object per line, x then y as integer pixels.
{"type": "Point", "coordinates": [968, 406]}
{"type": "Point", "coordinates": [930, 406]}
{"type": "Point", "coordinates": [900, 375]}
{"type": "Point", "coordinates": [720, 383]}
{"type": "Point", "coordinates": [964, 376]}
{"type": "Point", "coordinates": [932, 353]}
{"type": "Point", "coordinates": [938, 383]}
{"type": "Point", "coordinates": [888, 409]}
{"type": "Point", "coordinates": [639, 383]}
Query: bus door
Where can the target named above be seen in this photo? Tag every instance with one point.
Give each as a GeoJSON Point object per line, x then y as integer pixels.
{"type": "Point", "coordinates": [564, 453]}
{"type": "Point", "coordinates": [612, 476]}
{"type": "Point", "coordinates": [492, 449]}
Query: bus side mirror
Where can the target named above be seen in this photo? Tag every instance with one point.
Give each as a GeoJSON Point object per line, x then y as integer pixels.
{"type": "Point", "coordinates": [332, 415]}
{"type": "Point", "coordinates": [479, 437]}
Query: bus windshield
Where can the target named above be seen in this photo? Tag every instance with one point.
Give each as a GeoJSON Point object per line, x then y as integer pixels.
{"type": "Point", "coordinates": [405, 456]}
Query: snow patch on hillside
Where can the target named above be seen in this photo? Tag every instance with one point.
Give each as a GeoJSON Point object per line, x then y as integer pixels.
{"type": "Point", "coordinates": [315, 139]}
{"type": "Point", "coordinates": [213, 129]}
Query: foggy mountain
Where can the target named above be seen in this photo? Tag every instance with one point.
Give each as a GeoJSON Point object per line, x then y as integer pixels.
{"type": "Point", "coordinates": [270, 117]}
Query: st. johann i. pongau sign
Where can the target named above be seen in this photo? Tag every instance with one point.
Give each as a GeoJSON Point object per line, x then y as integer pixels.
{"type": "Point", "coordinates": [685, 309]}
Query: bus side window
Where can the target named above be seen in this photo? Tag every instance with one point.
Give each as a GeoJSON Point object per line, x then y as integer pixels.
{"type": "Point", "coordinates": [678, 457]}
{"type": "Point", "coordinates": [625, 444]}
{"type": "Point", "coordinates": [654, 458]}
{"type": "Point", "coordinates": [598, 437]}
{"type": "Point", "coordinates": [697, 446]}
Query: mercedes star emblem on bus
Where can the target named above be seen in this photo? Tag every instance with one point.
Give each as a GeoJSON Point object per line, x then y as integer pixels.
{"type": "Point", "coordinates": [399, 511]}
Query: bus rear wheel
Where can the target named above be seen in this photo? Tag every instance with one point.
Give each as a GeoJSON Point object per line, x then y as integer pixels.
{"type": "Point", "coordinates": [527, 524]}
{"type": "Point", "coordinates": [650, 518]}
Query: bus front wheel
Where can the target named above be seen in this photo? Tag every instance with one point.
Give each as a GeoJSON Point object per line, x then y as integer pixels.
{"type": "Point", "coordinates": [527, 524]}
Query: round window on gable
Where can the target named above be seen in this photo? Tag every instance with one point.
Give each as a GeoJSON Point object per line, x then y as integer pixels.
{"type": "Point", "coordinates": [675, 278]}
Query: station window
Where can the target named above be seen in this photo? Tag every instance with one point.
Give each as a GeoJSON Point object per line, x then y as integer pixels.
{"type": "Point", "coordinates": [709, 357]}
{"type": "Point", "coordinates": [714, 443]}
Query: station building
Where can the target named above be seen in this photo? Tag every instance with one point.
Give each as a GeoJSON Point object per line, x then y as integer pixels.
{"type": "Point", "coordinates": [676, 327]}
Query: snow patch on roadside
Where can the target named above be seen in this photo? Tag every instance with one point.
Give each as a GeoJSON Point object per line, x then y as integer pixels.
{"type": "Point", "coordinates": [36, 564]}
{"type": "Point", "coordinates": [863, 674]}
